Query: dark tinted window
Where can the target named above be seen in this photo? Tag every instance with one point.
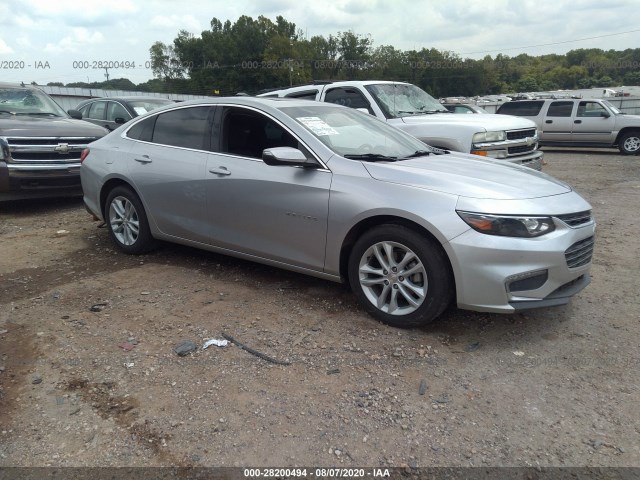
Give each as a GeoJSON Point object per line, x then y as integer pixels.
{"type": "Point", "coordinates": [348, 97]}
{"type": "Point", "coordinates": [185, 127]}
{"type": "Point", "coordinates": [524, 109]}
{"type": "Point", "coordinates": [306, 95]}
{"type": "Point", "coordinates": [142, 130]}
{"type": "Point", "coordinates": [560, 109]}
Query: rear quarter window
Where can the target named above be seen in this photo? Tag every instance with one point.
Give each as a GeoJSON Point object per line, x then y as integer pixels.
{"type": "Point", "coordinates": [521, 109]}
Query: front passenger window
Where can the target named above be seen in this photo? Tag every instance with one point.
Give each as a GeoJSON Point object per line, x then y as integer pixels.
{"type": "Point", "coordinates": [247, 133]}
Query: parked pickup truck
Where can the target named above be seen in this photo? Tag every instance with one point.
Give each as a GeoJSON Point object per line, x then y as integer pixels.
{"type": "Point", "coordinates": [413, 110]}
{"type": "Point", "coordinates": [40, 144]}
{"type": "Point", "coordinates": [579, 123]}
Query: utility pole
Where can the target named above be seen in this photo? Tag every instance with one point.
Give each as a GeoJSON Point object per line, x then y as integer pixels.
{"type": "Point", "coordinates": [106, 73]}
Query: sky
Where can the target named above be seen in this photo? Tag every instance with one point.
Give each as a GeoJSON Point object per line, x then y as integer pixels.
{"type": "Point", "coordinates": [68, 40]}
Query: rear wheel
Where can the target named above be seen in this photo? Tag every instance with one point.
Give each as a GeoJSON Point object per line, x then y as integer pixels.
{"type": "Point", "coordinates": [127, 221]}
{"type": "Point", "coordinates": [400, 276]}
{"type": "Point", "coordinates": [629, 143]}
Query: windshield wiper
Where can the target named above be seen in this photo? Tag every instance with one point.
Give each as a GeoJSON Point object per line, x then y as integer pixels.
{"type": "Point", "coordinates": [7, 111]}
{"type": "Point", "coordinates": [419, 153]}
{"type": "Point", "coordinates": [372, 157]}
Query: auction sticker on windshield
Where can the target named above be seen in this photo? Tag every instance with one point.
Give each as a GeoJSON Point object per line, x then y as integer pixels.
{"type": "Point", "coordinates": [318, 126]}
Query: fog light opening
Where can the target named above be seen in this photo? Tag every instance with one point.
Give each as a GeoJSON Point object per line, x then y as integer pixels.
{"type": "Point", "coordinates": [527, 281]}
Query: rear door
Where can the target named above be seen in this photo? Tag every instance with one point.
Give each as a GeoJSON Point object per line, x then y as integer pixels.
{"type": "Point", "coordinates": [167, 166]}
{"type": "Point", "coordinates": [557, 123]}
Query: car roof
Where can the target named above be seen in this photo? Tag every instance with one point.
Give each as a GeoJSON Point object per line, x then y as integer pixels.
{"type": "Point", "coordinates": [127, 98]}
{"type": "Point", "coordinates": [18, 85]}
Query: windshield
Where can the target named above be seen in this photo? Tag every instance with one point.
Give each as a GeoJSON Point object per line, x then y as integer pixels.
{"type": "Point", "coordinates": [26, 101]}
{"type": "Point", "coordinates": [144, 106]}
{"type": "Point", "coordinates": [613, 109]}
{"type": "Point", "coordinates": [355, 134]}
{"type": "Point", "coordinates": [401, 99]}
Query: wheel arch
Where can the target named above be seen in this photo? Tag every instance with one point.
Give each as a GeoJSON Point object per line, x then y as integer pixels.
{"type": "Point", "coordinates": [368, 223]}
{"type": "Point", "coordinates": [626, 130]}
{"type": "Point", "coordinates": [110, 185]}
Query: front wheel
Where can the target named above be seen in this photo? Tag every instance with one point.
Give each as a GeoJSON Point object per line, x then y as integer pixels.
{"type": "Point", "coordinates": [400, 276]}
{"type": "Point", "coordinates": [630, 143]}
{"type": "Point", "coordinates": [127, 221]}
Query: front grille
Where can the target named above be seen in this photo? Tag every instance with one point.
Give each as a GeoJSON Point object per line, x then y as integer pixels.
{"type": "Point", "coordinates": [520, 134]}
{"type": "Point", "coordinates": [48, 150]}
{"type": "Point", "coordinates": [576, 219]}
{"type": "Point", "coordinates": [579, 253]}
{"type": "Point", "coordinates": [521, 149]}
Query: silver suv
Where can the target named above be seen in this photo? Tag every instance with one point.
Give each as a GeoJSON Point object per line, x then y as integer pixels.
{"type": "Point", "coordinates": [580, 123]}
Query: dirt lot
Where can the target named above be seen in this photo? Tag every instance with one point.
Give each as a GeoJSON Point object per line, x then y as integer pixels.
{"type": "Point", "coordinates": [555, 387]}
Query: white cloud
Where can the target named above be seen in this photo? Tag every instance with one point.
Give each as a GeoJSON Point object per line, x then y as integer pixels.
{"type": "Point", "coordinates": [176, 22]}
{"type": "Point", "coordinates": [4, 48]}
{"type": "Point", "coordinates": [77, 41]}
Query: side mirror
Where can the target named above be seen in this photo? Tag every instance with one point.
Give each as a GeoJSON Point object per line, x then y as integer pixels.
{"type": "Point", "coordinates": [281, 156]}
{"type": "Point", "coordinates": [119, 120]}
{"type": "Point", "coordinates": [605, 114]}
{"type": "Point", "coordinates": [74, 114]}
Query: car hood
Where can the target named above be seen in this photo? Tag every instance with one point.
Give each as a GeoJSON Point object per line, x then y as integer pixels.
{"type": "Point", "coordinates": [25, 126]}
{"type": "Point", "coordinates": [489, 122]}
{"type": "Point", "coordinates": [469, 176]}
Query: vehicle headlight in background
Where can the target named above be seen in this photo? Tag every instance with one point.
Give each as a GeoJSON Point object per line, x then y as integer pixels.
{"type": "Point", "coordinates": [507, 225]}
{"type": "Point", "coordinates": [4, 149]}
{"type": "Point", "coordinates": [483, 137]}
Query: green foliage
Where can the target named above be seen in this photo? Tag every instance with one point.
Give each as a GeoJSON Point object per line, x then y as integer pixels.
{"type": "Point", "coordinates": [254, 54]}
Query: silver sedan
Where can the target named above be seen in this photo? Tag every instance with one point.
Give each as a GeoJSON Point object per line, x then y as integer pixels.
{"type": "Point", "coordinates": [335, 193]}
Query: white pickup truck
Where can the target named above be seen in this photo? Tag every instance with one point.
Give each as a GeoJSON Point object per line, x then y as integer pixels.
{"type": "Point", "coordinates": [579, 123]}
{"type": "Point", "coordinates": [413, 110]}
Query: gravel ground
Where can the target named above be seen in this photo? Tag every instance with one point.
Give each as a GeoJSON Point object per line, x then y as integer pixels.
{"type": "Point", "coordinates": [89, 375]}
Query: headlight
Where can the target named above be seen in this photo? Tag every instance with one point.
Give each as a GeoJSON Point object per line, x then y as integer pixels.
{"type": "Point", "coordinates": [483, 137]}
{"type": "Point", "coordinates": [4, 149]}
{"type": "Point", "coordinates": [508, 226]}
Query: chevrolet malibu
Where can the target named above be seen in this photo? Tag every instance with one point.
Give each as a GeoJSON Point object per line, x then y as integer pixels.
{"type": "Point", "coordinates": [334, 193]}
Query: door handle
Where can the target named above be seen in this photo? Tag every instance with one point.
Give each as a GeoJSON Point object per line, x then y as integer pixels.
{"type": "Point", "coordinates": [577, 121]}
{"type": "Point", "coordinates": [144, 159]}
{"type": "Point", "coordinates": [548, 121]}
{"type": "Point", "coordinates": [220, 171]}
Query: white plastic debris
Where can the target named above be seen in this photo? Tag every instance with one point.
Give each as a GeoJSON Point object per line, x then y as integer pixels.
{"type": "Point", "coordinates": [216, 342]}
{"type": "Point", "coordinates": [129, 365]}
{"type": "Point", "coordinates": [518, 353]}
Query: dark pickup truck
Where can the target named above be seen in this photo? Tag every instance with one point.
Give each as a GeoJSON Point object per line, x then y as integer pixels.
{"type": "Point", "coordinates": [40, 144]}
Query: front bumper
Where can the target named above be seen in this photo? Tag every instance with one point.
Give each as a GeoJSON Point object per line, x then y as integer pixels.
{"type": "Point", "coordinates": [34, 181]}
{"type": "Point", "coordinates": [504, 274]}
{"type": "Point", "coordinates": [533, 160]}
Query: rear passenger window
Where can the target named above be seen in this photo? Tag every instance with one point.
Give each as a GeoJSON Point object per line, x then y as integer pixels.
{"type": "Point", "coordinates": [525, 108]}
{"type": "Point", "coordinates": [560, 109]}
{"type": "Point", "coordinates": [143, 130]}
{"type": "Point", "coordinates": [185, 127]}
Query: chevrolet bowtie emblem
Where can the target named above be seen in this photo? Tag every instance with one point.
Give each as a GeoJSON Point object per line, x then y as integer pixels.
{"type": "Point", "coordinates": [62, 148]}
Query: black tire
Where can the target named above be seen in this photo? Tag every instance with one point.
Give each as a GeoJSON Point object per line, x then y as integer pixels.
{"type": "Point", "coordinates": [127, 221]}
{"type": "Point", "coordinates": [419, 297]}
{"type": "Point", "coordinates": [629, 143]}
